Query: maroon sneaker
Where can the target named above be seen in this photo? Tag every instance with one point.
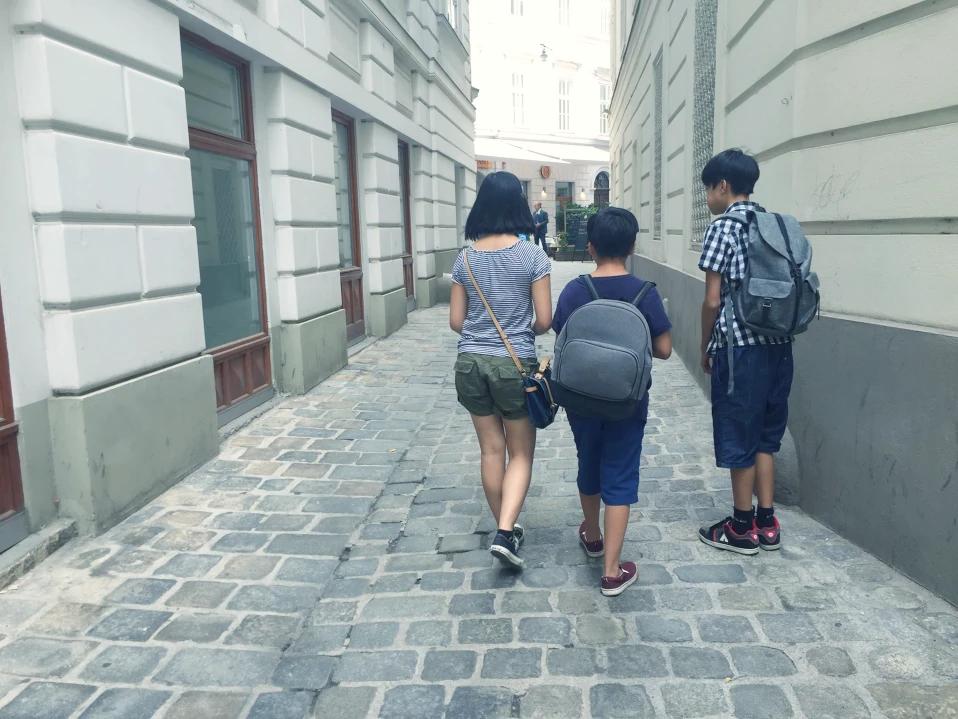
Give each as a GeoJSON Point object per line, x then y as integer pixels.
{"type": "Point", "coordinates": [769, 538]}
{"type": "Point", "coordinates": [614, 586]}
{"type": "Point", "coordinates": [593, 549]}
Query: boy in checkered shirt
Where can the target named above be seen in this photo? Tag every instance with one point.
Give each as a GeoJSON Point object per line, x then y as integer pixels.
{"type": "Point", "coordinates": [747, 425]}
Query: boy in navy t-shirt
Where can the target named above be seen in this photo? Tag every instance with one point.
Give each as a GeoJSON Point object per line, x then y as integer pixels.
{"type": "Point", "coordinates": [609, 452]}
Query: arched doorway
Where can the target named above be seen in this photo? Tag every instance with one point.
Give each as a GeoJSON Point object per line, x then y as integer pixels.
{"type": "Point", "coordinates": [601, 189]}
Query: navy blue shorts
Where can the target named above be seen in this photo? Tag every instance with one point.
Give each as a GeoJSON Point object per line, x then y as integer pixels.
{"type": "Point", "coordinates": [609, 455]}
{"type": "Point", "coordinates": [752, 419]}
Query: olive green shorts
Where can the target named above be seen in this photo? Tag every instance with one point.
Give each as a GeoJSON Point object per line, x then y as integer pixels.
{"type": "Point", "coordinates": [489, 385]}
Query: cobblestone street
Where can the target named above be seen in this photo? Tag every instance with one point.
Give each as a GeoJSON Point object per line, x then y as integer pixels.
{"type": "Point", "coordinates": [332, 562]}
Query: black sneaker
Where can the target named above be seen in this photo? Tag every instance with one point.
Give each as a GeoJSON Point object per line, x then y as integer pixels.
{"type": "Point", "coordinates": [506, 549]}
{"type": "Point", "coordinates": [769, 538]}
{"type": "Point", "coordinates": [722, 535]}
{"type": "Point", "coordinates": [519, 533]}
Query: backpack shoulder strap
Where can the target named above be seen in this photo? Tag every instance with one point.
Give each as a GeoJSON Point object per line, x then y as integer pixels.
{"type": "Point", "coordinates": [590, 285]}
{"type": "Point", "coordinates": [646, 288]}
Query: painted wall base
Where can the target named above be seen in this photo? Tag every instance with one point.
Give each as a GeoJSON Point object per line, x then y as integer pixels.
{"type": "Point", "coordinates": [119, 447]}
{"type": "Point", "coordinates": [872, 416]}
{"type": "Point", "coordinates": [683, 295]}
{"type": "Point", "coordinates": [387, 312]}
{"type": "Point", "coordinates": [312, 351]}
{"type": "Point", "coordinates": [427, 292]}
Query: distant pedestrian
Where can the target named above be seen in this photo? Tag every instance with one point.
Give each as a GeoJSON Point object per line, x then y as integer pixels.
{"type": "Point", "coordinates": [610, 451]}
{"type": "Point", "coordinates": [748, 351]}
{"type": "Point", "coordinates": [514, 277]}
{"type": "Point", "coordinates": [541, 219]}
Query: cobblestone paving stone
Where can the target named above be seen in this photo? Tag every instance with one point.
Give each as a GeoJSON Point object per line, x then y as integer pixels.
{"type": "Point", "coordinates": [331, 562]}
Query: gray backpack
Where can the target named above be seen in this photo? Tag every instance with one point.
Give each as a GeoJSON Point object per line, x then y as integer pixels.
{"type": "Point", "coordinates": [779, 294]}
{"type": "Point", "coordinates": [603, 358]}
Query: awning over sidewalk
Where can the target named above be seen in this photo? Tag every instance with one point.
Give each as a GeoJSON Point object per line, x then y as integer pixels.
{"type": "Point", "coordinates": [551, 153]}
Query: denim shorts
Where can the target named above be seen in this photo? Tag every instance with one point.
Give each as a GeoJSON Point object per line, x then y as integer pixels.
{"type": "Point", "coordinates": [752, 419]}
{"type": "Point", "coordinates": [609, 456]}
{"type": "Point", "coordinates": [487, 385]}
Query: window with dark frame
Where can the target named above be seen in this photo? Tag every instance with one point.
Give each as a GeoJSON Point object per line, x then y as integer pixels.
{"type": "Point", "coordinates": [347, 221]}
{"type": "Point", "coordinates": [222, 156]}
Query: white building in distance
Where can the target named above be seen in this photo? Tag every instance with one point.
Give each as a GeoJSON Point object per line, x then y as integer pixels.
{"type": "Point", "coordinates": [542, 71]}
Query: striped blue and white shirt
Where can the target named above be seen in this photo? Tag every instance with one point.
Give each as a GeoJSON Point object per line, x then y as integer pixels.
{"type": "Point", "coordinates": [505, 277]}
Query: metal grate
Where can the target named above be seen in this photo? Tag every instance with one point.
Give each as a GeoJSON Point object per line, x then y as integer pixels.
{"type": "Point", "coordinates": [657, 179]}
{"type": "Point", "coordinates": [703, 112]}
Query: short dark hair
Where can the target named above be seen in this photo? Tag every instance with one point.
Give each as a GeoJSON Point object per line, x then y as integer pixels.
{"type": "Point", "coordinates": [737, 168]}
{"type": "Point", "coordinates": [500, 208]}
{"type": "Point", "coordinates": [612, 232]}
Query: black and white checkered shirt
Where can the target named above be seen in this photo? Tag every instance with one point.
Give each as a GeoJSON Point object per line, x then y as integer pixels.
{"type": "Point", "coordinates": [724, 251]}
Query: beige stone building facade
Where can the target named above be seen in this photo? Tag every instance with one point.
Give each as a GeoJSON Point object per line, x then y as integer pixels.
{"type": "Point", "coordinates": [206, 203]}
{"type": "Point", "coordinates": [854, 137]}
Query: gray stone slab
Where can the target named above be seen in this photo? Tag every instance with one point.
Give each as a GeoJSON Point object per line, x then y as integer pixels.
{"type": "Point", "coordinates": [524, 602]}
{"type": "Point", "coordinates": [760, 701]}
{"type": "Point", "coordinates": [404, 607]}
{"type": "Point", "coordinates": [550, 701]}
{"type": "Point", "coordinates": [282, 705]}
{"type": "Point", "coordinates": [634, 661]}
{"type": "Point", "coordinates": [199, 628]}
{"type": "Point", "coordinates": [905, 700]}
{"type": "Point", "coordinates": [123, 665]}
{"type": "Point", "coordinates": [697, 663]}
{"type": "Point", "coordinates": [248, 567]}
{"type": "Point", "coordinates": [722, 629]}
{"type": "Point", "coordinates": [129, 625]}
{"type": "Point", "coordinates": [711, 574]}
{"type": "Point", "coordinates": [274, 598]}
{"type": "Point", "coordinates": [240, 542]}
{"type": "Point", "coordinates": [512, 663]}
{"type": "Point", "coordinates": [659, 629]}
{"type": "Point", "coordinates": [201, 595]}
{"type": "Point", "coordinates": [218, 668]}
{"type": "Point", "coordinates": [694, 699]}
{"type": "Point", "coordinates": [545, 630]}
{"type": "Point", "coordinates": [126, 704]}
{"type": "Point", "coordinates": [375, 635]}
{"type": "Point", "coordinates": [463, 604]}
{"type": "Point", "coordinates": [307, 571]}
{"type": "Point", "coordinates": [595, 629]}
{"type": "Point", "coordinates": [429, 634]}
{"type": "Point", "coordinates": [303, 672]}
{"type": "Point", "coordinates": [140, 591]}
{"type": "Point", "coordinates": [789, 628]}
{"type": "Point", "coordinates": [831, 661]}
{"type": "Point", "coordinates": [441, 581]}
{"type": "Point", "coordinates": [449, 665]}
{"type": "Point", "coordinates": [573, 662]}
{"type": "Point", "coordinates": [762, 662]}
{"type": "Point", "coordinates": [485, 631]}
{"type": "Point", "coordinates": [68, 620]}
{"type": "Point", "coordinates": [266, 631]}
{"type": "Point", "coordinates": [344, 702]}
{"type": "Point", "coordinates": [376, 666]}
{"type": "Point", "coordinates": [330, 545]}
{"type": "Point", "coordinates": [207, 705]}
{"type": "Point", "coordinates": [830, 702]}
{"type": "Point", "coordinates": [413, 702]}
{"type": "Point", "coordinates": [481, 703]}
{"type": "Point", "coordinates": [620, 700]}
{"type": "Point", "coordinates": [37, 657]}
{"type": "Point", "coordinates": [47, 700]}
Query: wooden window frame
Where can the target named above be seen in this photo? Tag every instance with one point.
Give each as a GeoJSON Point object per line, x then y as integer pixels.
{"type": "Point", "coordinates": [405, 187]}
{"type": "Point", "coordinates": [11, 486]}
{"type": "Point", "coordinates": [243, 148]}
{"type": "Point", "coordinates": [351, 278]}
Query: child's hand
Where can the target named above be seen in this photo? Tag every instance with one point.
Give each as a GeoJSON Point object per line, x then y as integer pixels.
{"type": "Point", "coordinates": [706, 363]}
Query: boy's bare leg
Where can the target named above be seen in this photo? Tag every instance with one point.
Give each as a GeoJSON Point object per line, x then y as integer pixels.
{"type": "Point", "coordinates": [764, 479]}
{"type": "Point", "coordinates": [743, 484]}
{"type": "Point", "coordinates": [591, 504]}
{"type": "Point", "coordinates": [616, 522]}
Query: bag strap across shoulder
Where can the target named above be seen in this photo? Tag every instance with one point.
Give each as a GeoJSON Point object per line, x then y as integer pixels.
{"type": "Point", "coordinates": [646, 288]}
{"type": "Point", "coordinates": [590, 285]}
{"type": "Point", "coordinates": [502, 334]}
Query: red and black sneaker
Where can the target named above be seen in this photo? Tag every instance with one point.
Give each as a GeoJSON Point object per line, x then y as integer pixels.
{"type": "Point", "coordinates": [769, 538]}
{"type": "Point", "coordinates": [722, 535]}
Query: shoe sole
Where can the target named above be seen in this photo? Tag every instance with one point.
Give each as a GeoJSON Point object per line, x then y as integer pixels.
{"type": "Point", "coordinates": [505, 556]}
{"type": "Point", "coordinates": [770, 547]}
{"type": "Point", "coordinates": [621, 588]}
{"type": "Point", "coordinates": [729, 548]}
{"type": "Point", "coordinates": [594, 555]}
